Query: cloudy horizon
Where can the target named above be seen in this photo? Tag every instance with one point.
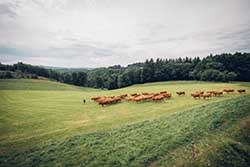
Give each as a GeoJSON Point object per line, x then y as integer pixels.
{"type": "Point", "coordinates": [92, 33]}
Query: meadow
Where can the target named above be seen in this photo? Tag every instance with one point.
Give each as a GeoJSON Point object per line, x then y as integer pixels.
{"type": "Point", "coordinates": [45, 123]}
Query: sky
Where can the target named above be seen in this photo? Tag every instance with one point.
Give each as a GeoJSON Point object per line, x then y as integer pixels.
{"type": "Point", "coordinates": [98, 33]}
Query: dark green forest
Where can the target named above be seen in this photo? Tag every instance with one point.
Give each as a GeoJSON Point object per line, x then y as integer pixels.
{"type": "Point", "coordinates": [224, 68]}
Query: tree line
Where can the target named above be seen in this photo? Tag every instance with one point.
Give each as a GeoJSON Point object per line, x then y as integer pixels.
{"type": "Point", "coordinates": [224, 67]}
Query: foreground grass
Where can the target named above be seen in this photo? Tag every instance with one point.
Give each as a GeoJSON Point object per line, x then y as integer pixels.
{"type": "Point", "coordinates": [37, 111]}
{"type": "Point", "coordinates": [147, 142]}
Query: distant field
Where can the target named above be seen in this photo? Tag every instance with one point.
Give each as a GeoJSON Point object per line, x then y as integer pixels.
{"type": "Point", "coordinates": [33, 84]}
{"type": "Point", "coordinates": [38, 113]}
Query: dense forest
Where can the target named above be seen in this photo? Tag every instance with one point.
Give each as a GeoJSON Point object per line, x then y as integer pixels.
{"type": "Point", "coordinates": [224, 67]}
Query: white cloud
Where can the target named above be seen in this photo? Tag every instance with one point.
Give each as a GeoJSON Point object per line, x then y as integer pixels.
{"type": "Point", "coordinates": [96, 33]}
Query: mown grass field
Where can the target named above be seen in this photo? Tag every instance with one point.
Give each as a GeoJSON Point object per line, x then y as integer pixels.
{"type": "Point", "coordinates": [44, 123]}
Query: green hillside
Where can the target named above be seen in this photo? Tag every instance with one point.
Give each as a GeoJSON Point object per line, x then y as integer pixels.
{"type": "Point", "coordinates": [35, 84]}
{"type": "Point", "coordinates": [41, 125]}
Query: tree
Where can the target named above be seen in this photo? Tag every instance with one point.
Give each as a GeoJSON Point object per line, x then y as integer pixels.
{"type": "Point", "coordinates": [211, 75]}
{"type": "Point", "coordinates": [148, 71]}
{"type": "Point", "coordinates": [99, 82]}
{"type": "Point", "coordinates": [231, 76]}
{"type": "Point", "coordinates": [223, 67]}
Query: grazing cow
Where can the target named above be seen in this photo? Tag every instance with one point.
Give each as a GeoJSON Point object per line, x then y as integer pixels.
{"type": "Point", "coordinates": [123, 96]}
{"type": "Point", "coordinates": [215, 93]}
{"type": "Point", "coordinates": [142, 98]}
{"type": "Point", "coordinates": [138, 99]}
{"type": "Point", "coordinates": [167, 95]}
{"type": "Point", "coordinates": [147, 97]}
{"type": "Point", "coordinates": [228, 90]}
{"type": "Point", "coordinates": [108, 100]}
{"type": "Point", "coordinates": [200, 92]}
{"type": "Point", "coordinates": [241, 90]}
{"type": "Point", "coordinates": [180, 93]}
{"type": "Point", "coordinates": [102, 101]}
{"type": "Point", "coordinates": [211, 91]}
{"type": "Point", "coordinates": [196, 95]}
{"type": "Point", "coordinates": [129, 98]}
{"type": "Point", "coordinates": [96, 98]}
{"type": "Point", "coordinates": [218, 93]}
{"type": "Point", "coordinates": [158, 98]}
{"type": "Point", "coordinates": [156, 94]}
{"type": "Point", "coordinates": [208, 95]}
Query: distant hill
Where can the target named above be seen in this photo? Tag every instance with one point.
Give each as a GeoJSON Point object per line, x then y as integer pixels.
{"type": "Point", "coordinates": [65, 69]}
{"type": "Point", "coordinates": [224, 67]}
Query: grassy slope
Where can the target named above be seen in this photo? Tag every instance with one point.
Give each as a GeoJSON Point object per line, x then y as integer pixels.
{"type": "Point", "coordinates": [34, 84]}
{"type": "Point", "coordinates": [142, 143]}
{"type": "Point", "coordinates": [40, 111]}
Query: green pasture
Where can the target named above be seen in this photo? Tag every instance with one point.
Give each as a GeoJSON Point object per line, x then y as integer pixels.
{"type": "Point", "coordinates": [51, 119]}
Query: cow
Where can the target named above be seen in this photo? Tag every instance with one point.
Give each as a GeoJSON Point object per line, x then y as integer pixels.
{"type": "Point", "coordinates": [108, 100]}
{"type": "Point", "coordinates": [200, 92]}
{"type": "Point", "coordinates": [130, 98]}
{"type": "Point", "coordinates": [195, 95]}
{"type": "Point", "coordinates": [211, 91]}
{"type": "Point", "coordinates": [158, 98]}
{"type": "Point", "coordinates": [180, 93]}
{"type": "Point", "coordinates": [218, 93]}
{"type": "Point", "coordinates": [96, 98]}
{"type": "Point", "coordinates": [215, 93]}
{"type": "Point", "coordinates": [228, 90]}
{"type": "Point", "coordinates": [241, 90]}
{"type": "Point", "coordinates": [207, 95]}
{"type": "Point", "coordinates": [123, 96]}
{"type": "Point", "coordinates": [138, 99]}
{"type": "Point", "coordinates": [167, 95]}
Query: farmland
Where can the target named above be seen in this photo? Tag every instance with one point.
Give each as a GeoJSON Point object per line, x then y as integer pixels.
{"type": "Point", "coordinates": [50, 123]}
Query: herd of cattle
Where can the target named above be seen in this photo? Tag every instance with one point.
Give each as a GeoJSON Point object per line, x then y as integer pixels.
{"type": "Point", "coordinates": [136, 97]}
{"type": "Point", "coordinates": [139, 97]}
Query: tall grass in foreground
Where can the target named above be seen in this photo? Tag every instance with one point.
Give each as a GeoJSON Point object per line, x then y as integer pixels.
{"type": "Point", "coordinates": [153, 142]}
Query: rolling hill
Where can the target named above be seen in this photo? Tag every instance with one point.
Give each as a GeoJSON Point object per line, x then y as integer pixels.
{"type": "Point", "coordinates": [45, 123]}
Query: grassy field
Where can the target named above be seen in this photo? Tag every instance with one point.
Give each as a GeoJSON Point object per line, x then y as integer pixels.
{"type": "Point", "coordinates": [44, 123]}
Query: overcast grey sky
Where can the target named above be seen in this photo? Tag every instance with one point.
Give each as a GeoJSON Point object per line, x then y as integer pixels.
{"type": "Point", "coordinates": [94, 33]}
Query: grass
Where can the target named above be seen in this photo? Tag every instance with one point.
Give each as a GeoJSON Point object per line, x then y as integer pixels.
{"type": "Point", "coordinates": [34, 84]}
{"type": "Point", "coordinates": [138, 144]}
{"type": "Point", "coordinates": [49, 123]}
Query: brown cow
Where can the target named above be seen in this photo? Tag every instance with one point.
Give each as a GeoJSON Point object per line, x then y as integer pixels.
{"type": "Point", "coordinates": [218, 93]}
{"type": "Point", "coordinates": [195, 95]}
{"type": "Point", "coordinates": [241, 90]}
{"type": "Point", "coordinates": [211, 91]}
{"type": "Point", "coordinates": [129, 98]}
{"type": "Point", "coordinates": [180, 93]}
{"type": "Point", "coordinates": [95, 98]}
{"type": "Point", "coordinates": [123, 96]}
{"type": "Point", "coordinates": [138, 99]}
{"type": "Point", "coordinates": [108, 100]}
{"type": "Point", "coordinates": [228, 90]}
{"type": "Point", "coordinates": [200, 92]}
{"type": "Point", "coordinates": [167, 95]}
{"type": "Point", "coordinates": [158, 98]}
{"type": "Point", "coordinates": [208, 95]}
